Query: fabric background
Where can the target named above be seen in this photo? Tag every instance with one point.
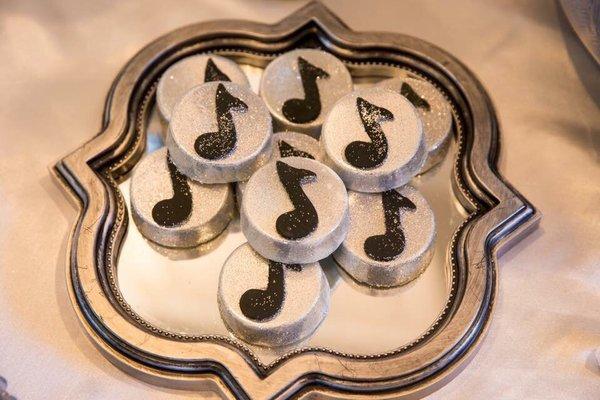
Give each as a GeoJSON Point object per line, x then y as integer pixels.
{"type": "Point", "coordinates": [58, 59]}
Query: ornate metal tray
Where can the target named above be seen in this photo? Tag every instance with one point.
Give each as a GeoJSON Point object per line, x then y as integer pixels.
{"type": "Point", "coordinates": [406, 343]}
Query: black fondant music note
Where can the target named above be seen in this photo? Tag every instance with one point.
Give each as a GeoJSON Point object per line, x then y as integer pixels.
{"type": "Point", "coordinates": [302, 111]}
{"type": "Point", "coordinates": [287, 150]}
{"type": "Point", "coordinates": [390, 245]}
{"type": "Point", "coordinates": [264, 304]}
{"type": "Point", "coordinates": [177, 209]}
{"type": "Point", "coordinates": [303, 219]}
{"type": "Point", "coordinates": [407, 91]}
{"type": "Point", "coordinates": [212, 73]}
{"type": "Point", "coordinates": [214, 145]}
{"type": "Point", "coordinates": [367, 155]}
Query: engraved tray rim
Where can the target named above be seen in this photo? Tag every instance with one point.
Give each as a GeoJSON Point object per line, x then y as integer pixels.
{"type": "Point", "coordinates": [498, 216]}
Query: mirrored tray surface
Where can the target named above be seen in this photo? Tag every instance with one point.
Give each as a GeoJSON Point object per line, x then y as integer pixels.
{"type": "Point", "coordinates": [175, 290]}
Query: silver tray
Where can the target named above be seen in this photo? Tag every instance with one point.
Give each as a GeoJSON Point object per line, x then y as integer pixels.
{"type": "Point", "coordinates": [153, 311]}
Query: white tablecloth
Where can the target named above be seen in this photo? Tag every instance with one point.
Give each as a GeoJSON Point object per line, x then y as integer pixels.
{"type": "Point", "coordinates": [58, 58]}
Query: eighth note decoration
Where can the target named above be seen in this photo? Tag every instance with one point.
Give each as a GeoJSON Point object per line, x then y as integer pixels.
{"type": "Point", "coordinates": [174, 211]}
{"type": "Point", "coordinates": [295, 210]}
{"type": "Point", "coordinates": [435, 113]}
{"type": "Point", "coordinates": [287, 144]}
{"type": "Point", "coordinates": [220, 132]}
{"type": "Point", "coordinates": [391, 237]}
{"type": "Point", "coordinates": [270, 303]}
{"type": "Point", "coordinates": [373, 139]}
{"type": "Point", "coordinates": [192, 71]}
{"type": "Point", "coordinates": [301, 86]}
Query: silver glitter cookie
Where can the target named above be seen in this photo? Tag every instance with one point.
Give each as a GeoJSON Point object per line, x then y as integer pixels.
{"type": "Point", "coordinates": [174, 211]}
{"type": "Point", "coordinates": [220, 132]}
{"type": "Point", "coordinates": [391, 237]}
{"type": "Point", "coordinates": [192, 71]}
{"type": "Point", "coordinates": [287, 144]}
{"type": "Point", "coordinates": [295, 210]}
{"type": "Point", "coordinates": [373, 138]}
{"type": "Point", "coordinates": [269, 303]}
{"type": "Point", "coordinates": [435, 113]}
{"type": "Point", "coordinates": [300, 87]}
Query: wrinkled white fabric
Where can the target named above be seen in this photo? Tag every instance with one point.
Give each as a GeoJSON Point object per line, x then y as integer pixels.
{"type": "Point", "coordinates": [58, 58]}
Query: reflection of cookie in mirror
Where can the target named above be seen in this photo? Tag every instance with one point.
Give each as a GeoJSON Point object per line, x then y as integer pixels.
{"type": "Point", "coordinates": [192, 71]}
{"type": "Point", "coordinates": [331, 270]}
{"type": "Point", "coordinates": [435, 113]}
{"type": "Point", "coordinates": [391, 237]}
{"type": "Point", "coordinates": [295, 211]}
{"type": "Point", "coordinates": [189, 253]}
{"type": "Point", "coordinates": [300, 87]}
{"type": "Point", "coordinates": [287, 144]}
{"type": "Point", "coordinates": [373, 139]}
{"type": "Point", "coordinates": [156, 131]}
{"type": "Point", "coordinates": [220, 132]}
{"type": "Point", "coordinates": [373, 291]}
{"type": "Point", "coordinates": [174, 211]}
{"type": "Point", "coordinates": [270, 303]}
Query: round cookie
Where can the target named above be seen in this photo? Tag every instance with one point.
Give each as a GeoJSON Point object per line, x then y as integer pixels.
{"type": "Point", "coordinates": [269, 303]}
{"type": "Point", "coordinates": [373, 138]}
{"type": "Point", "coordinates": [295, 210]}
{"type": "Point", "coordinates": [300, 87]}
{"type": "Point", "coordinates": [435, 113]}
{"type": "Point", "coordinates": [220, 132]}
{"type": "Point", "coordinates": [391, 237]}
{"type": "Point", "coordinates": [172, 210]}
{"type": "Point", "coordinates": [287, 144]}
{"type": "Point", "coordinates": [192, 71]}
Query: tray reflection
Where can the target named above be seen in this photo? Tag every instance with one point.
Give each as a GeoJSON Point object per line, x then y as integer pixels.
{"type": "Point", "coordinates": [176, 289]}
